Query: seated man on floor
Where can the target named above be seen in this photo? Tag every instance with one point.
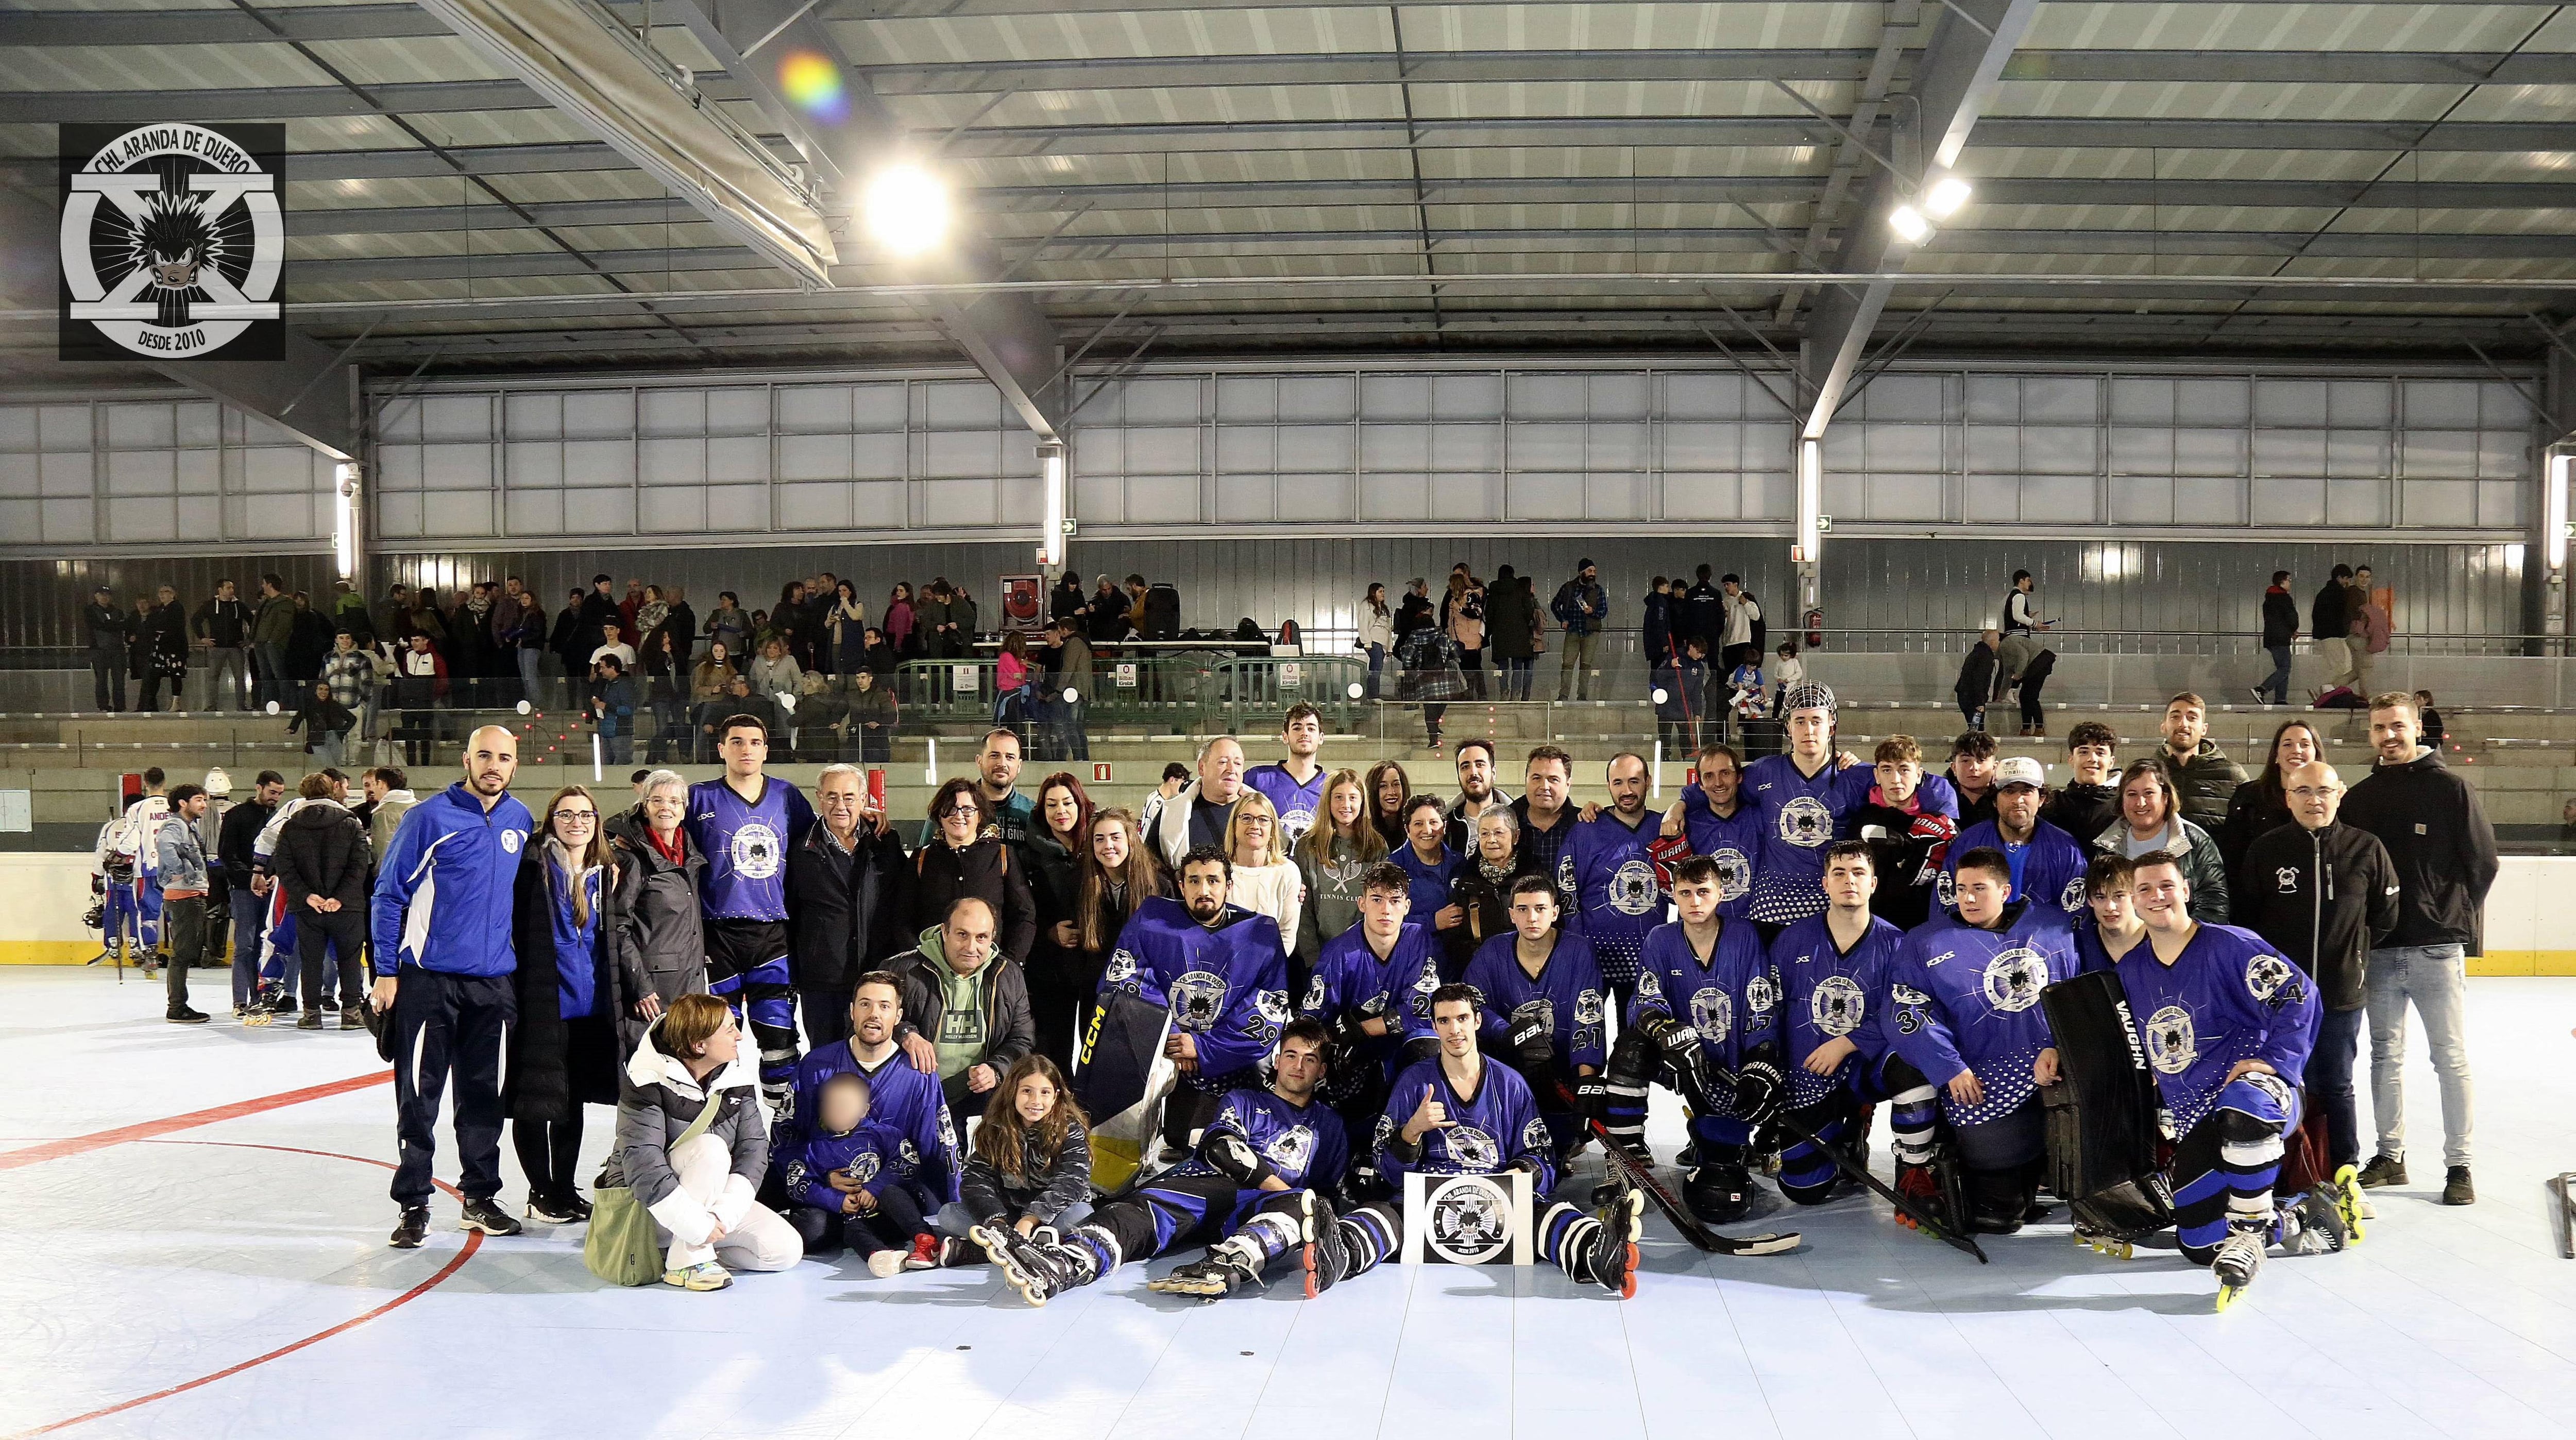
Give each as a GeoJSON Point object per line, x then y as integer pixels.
{"type": "Point", "coordinates": [1223, 973]}
{"type": "Point", "coordinates": [1257, 1188]}
{"type": "Point", "coordinates": [902, 1098]}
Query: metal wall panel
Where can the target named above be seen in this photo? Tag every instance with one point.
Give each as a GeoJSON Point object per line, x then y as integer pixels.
{"type": "Point", "coordinates": [40, 600]}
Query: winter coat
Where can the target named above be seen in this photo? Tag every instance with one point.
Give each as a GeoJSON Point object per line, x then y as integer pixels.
{"type": "Point", "coordinates": [2252, 813]}
{"type": "Point", "coordinates": [1658, 638]}
{"type": "Point", "coordinates": [235, 838]}
{"type": "Point", "coordinates": [1001, 988]}
{"type": "Point", "coordinates": [105, 626]}
{"type": "Point", "coordinates": [1431, 673]}
{"type": "Point", "coordinates": [182, 856]}
{"type": "Point", "coordinates": [845, 915]}
{"type": "Point", "coordinates": [2204, 783]}
{"type": "Point", "coordinates": [2280, 617]}
{"type": "Point", "coordinates": [942, 875]}
{"type": "Point", "coordinates": [658, 1102]}
{"type": "Point", "coordinates": [2330, 613]}
{"type": "Point", "coordinates": [276, 622]}
{"type": "Point", "coordinates": [1976, 683]}
{"type": "Point", "coordinates": [2082, 810]}
{"type": "Point", "coordinates": [1048, 1183]}
{"type": "Point", "coordinates": [159, 643]}
{"type": "Point", "coordinates": [2203, 868]}
{"type": "Point", "coordinates": [322, 850]}
{"type": "Point", "coordinates": [2324, 898]}
{"type": "Point", "coordinates": [385, 819]}
{"type": "Point", "coordinates": [661, 943]}
{"type": "Point", "coordinates": [1055, 890]}
{"type": "Point", "coordinates": [550, 1074]}
{"type": "Point", "coordinates": [2444, 849]}
{"type": "Point", "coordinates": [773, 678]}
{"type": "Point", "coordinates": [1375, 628]}
{"type": "Point", "coordinates": [1582, 608]}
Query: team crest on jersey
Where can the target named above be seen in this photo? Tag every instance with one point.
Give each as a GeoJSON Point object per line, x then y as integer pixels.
{"type": "Point", "coordinates": [2014, 979]}
{"type": "Point", "coordinates": [1198, 999]}
{"type": "Point", "coordinates": [2287, 878]}
{"type": "Point", "coordinates": [1542, 1009]}
{"type": "Point", "coordinates": [1837, 1005]}
{"type": "Point", "coordinates": [510, 842]}
{"type": "Point", "coordinates": [1472, 1149]}
{"type": "Point", "coordinates": [1291, 1150]}
{"type": "Point", "coordinates": [1534, 1135]}
{"type": "Point", "coordinates": [1734, 874]}
{"type": "Point", "coordinates": [1273, 1008]}
{"type": "Point", "coordinates": [906, 1154]}
{"type": "Point", "coordinates": [2171, 1043]}
{"type": "Point", "coordinates": [1121, 970]}
{"type": "Point", "coordinates": [862, 1167]}
{"type": "Point", "coordinates": [1315, 992]}
{"type": "Point", "coordinates": [1565, 875]}
{"type": "Point", "coordinates": [1805, 822]}
{"type": "Point", "coordinates": [2269, 977]}
{"type": "Point", "coordinates": [1587, 1008]}
{"type": "Point", "coordinates": [1423, 985]}
{"type": "Point", "coordinates": [754, 851]}
{"type": "Point", "coordinates": [1632, 887]}
{"type": "Point", "coordinates": [2071, 899]}
{"type": "Point", "coordinates": [1760, 995]}
{"type": "Point", "coordinates": [1648, 987]}
{"type": "Point", "coordinates": [1469, 1223]}
{"type": "Point", "coordinates": [1712, 1012]}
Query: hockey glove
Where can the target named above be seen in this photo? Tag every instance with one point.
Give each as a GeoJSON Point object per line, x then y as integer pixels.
{"type": "Point", "coordinates": [1346, 1028]}
{"type": "Point", "coordinates": [1531, 1046]}
{"type": "Point", "coordinates": [1664, 852]}
{"type": "Point", "coordinates": [1760, 1092]}
{"type": "Point", "coordinates": [1592, 1098]}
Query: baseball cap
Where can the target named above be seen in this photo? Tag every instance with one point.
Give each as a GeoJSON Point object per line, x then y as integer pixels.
{"type": "Point", "coordinates": [2021, 770]}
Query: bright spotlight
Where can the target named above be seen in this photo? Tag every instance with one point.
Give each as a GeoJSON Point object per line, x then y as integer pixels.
{"type": "Point", "coordinates": [907, 209]}
{"type": "Point", "coordinates": [1909, 224]}
{"type": "Point", "coordinates": [1946, 196]}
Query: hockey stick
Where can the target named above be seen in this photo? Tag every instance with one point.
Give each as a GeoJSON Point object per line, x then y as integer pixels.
{"type": "Point", "coordinates": [1907, 1208]}
{"type": "Point", "coordinates": [1641, 1175]}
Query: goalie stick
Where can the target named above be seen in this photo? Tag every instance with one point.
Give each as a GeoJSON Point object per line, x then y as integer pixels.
{"type": "Point", "coordinates": [1643, 1176]}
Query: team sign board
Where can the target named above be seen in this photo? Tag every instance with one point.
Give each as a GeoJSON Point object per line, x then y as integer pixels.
{"type": "Point", "coordinates": [1468, 1219]}
{"type": "Point", "coordinates": [173, 241]}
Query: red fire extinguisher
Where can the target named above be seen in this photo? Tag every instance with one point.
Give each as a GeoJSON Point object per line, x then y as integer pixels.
{"type": "Point", "coordinates": [1815, 621]}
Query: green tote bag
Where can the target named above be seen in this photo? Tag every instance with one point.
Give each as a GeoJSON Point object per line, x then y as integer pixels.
{"type": "Point", "coordinates": [620, 1247]}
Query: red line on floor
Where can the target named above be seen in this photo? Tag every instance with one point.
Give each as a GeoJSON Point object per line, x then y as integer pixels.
{"type": "Point", "coordinates": [473, 1242]}
{"type": "Point", "coordinates": [100, 1140]}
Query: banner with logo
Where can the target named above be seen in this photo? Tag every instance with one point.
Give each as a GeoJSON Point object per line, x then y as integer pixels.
{"type": "Point", "coordinates": [1468, 1219]}
{"type": "Point", "coordinates": [173, 240]}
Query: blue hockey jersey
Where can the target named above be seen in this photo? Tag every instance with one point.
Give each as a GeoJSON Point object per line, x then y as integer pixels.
{"type": "Point", "coordinates": [1832, 994]}
{"type": "Point", "coordinates": [1801, 815]}
{"type": "Point", "coordinates": [1565, 995]}
{"type": "Point", "coordinates": [1350, 979]}
{"type": "Point", "coordinates": [2048, 870]}
{"type": "Point", "coordinates": [1619, 898]}
{"type": "Point", "coordinates": [863, 1153]}
{"type": "Point", "coordinates": [1305, 1146]}
{"type": "Point", "coordinates": [1966, 998]}
{"type": "Point", "coordinates": [1733, 841]}
{"type": "Point", "coordinates": [1226, 987]}
{"type": "Point", "coordinates": [2228, 996]}
{"type": "Point", "coordinates": [1498, 1128]}
{"type": "Point", "coordinates": [447, 885]}
{"type": "Point", "coordinates": [901, 1097]}
{"type": "Point", "coordinates": [746, 845]}
{"type": "Point", "coordinates": [1298, 805]}
{"type": "Point", "coordinates": [1732, 1001]}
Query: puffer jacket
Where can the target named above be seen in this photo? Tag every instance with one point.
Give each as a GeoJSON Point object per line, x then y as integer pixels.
{"type": "Point", "coordinates": [661, 944]}
{"type": "Point", "coordinates": [1047, 1183]}
{"type": "Point", "coordinates": [182, 856]}
{"type": "Point", "coordinates": [2204, 868]}
{"type": "Point", "coordinates": [322, 850]}
{"type": "Point", "coordinates": [659, 1100]}
{"type": "Point", "coordinates": [2204, 782]}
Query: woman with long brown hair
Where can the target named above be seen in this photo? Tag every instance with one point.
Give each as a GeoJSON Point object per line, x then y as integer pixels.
{"type": "Point", "coordinates": [1331, 858]}
{"type": "Point", "coordinates": [1031, 1160]}
{"type": "Point", "coordinates": [563, 1052]}
{"type": "Point", "coordinates": [1052, 859]}
{"type": "Point", "coordinates": [2259, 805]}
{"type": "Point", "coordinates": [1389, 791]}
{"type": "Point", "coordinates": [1119, 873]}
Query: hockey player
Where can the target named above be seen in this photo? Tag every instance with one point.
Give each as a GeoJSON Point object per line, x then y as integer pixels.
{"type": "Point", "coordinates": [125, 869]}
{"type": "Point", "coordinates": [1833, 974]}
{"type": "Point", "coordinates": [1906, 823]}
{"type": "Point", "coordinates": [2227, 1025]}
{"type": "Point", "coordinates": [1222, 972]}
{"type": "Point", "coordinates": [1714, 818]}
{"type": "Point", "coordinates": [2047, 863]}
{"type": "Point", "coordinates": [1542, 1007]}
{"type": "Point", "coordinates": [1257, 1187]}
{"type": "Point", "coordinates": [1804, 796]}
{"type": "Point", "coordinates": [1965, 1016]}
{"type": "Point", "coordinates": [1618, 896]}
{"type": "Point", "coordinates": [1371, 992]}
{"type": "Point", "coordinates": [901, 1096]}
{"type": "Point", "coordinates": [2109, 929]}
{"type": "Point", "coordinates": [1459, 1115]}
{"type": "Point", "coordinates": [1295, 785]}
{"type": "Point", "coordinates": [1706, 1021]}
{"type": "Point", "coordinates": [744, 823]}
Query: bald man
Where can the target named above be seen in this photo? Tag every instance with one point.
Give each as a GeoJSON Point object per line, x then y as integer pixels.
{"type": "Point", "coordinates": [439, 929]}
{"type": "Point", "coordinates": [2323, 893]}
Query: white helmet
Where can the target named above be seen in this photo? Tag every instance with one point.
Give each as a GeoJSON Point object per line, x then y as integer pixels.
{"type": "Point", "coordinates": [218, 784]}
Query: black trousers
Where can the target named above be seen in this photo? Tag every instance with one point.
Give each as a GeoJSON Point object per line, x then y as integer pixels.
{"type": "Point", "coordinates": [550, 1153]}
{"type": "Point", "coordinates": [449, 1026]}
{"type": "Point", "coordinates": [902, 1212]}
{"type": "Point", "coordinates": [183, 922]}
{"type": "Point", "coordinates": [825, 1011]}
{"type": "Point", "coordinates": [107, 679]}
{"type": "Point", "coordinates": [343, 930]}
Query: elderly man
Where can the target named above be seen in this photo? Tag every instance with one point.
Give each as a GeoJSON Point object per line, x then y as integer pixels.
{"type": "Point", "coordinates": [2322, 893]}
{"type": "Point", "coordinates": [1198, 816]}
{"type": "Point", "coordinates": [844, 901]}
{"type": "Point", "coordinates": [965, 1005]}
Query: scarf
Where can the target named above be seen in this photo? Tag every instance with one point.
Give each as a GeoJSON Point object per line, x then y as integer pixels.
{"type": "Point", "coordinates": [575, 872]}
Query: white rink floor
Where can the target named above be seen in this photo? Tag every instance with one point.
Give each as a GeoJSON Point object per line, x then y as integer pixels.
{"type": "Point", "coordinates": [172, 1281]}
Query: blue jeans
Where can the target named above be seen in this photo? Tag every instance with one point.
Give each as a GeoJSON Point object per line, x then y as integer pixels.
{"type": "Point", "coordinates": [529, 679]}
{"type": "Point", "coordinates": [2277, 684]}
{"type": "Point", "coordinates": [250, 913]}
{"type": "Point", "coordinates": [2329, 1083]}
{"type": "Point", "coordinates": [1516, 677]}
{"type": "Point", "coordinates": [1377, 666]}
{"type": "Point", "coordinates": [2435, 978]}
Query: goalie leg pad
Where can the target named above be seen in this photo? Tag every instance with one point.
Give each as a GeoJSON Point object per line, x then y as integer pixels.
{"type": "Point", "coordinates": [1633, 1062]}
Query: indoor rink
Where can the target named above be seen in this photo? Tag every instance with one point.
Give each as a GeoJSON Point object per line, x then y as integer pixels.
{"type": "Point", "coordinates": [823, 688]}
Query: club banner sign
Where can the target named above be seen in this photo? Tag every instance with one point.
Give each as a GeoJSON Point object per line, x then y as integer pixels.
{"type": "Point", "coordinates": [1468, 1219]}
{"type": "Point", "coordinates": [173, 241]}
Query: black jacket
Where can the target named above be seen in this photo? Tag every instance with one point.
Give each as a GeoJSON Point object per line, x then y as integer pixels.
{"type": "Point", "coordinates": [2252, 813]}
{"type": "Point", "coordinates": [2280, 618]}
{"type": "Point", "coordinates": [1001, 988]}
{"type": "Point", "coordinates": [233, 842]}
{"type": "Point", "coordinates": [1047, 1183]}
{"type": "Point", "coordinates": [105, 625]}
{"type": "Point", "coordinates": [2330, 614]}
{"type": "Point", "coordinates": [941, 876]}
{"type": "Point", "coordinates": [2325, 897]}
{"type": "Point", "coordinates": [1976, 685]}
{"type": "Point", "coordinates": [549, 1075]}
{"type": "Point", "coordinates": [226, 622]}
{"type": "Point", "coordinates": [2445, 851]}
{"type": "Point", "coordinates": [2082, 811]}
{"type": "Point", "coordinates": [322, 850]}
{"type": "Point", "coordinates": [845, 912]}
{"type": "Point", "coordinates": [661, 936]}
{"type": "Point", "coordinates": [1054, 876]}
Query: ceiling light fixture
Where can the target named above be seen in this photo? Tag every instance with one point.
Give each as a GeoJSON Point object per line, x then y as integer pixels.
{"type": "Point", "coordinates": [1944, 197]}
{"type": "Point", "coordinates": [1909, 224]}
{"type": "Point", "coordinates": [907, 209]}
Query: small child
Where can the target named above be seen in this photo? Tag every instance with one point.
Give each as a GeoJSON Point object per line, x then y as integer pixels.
{"type": "Point", "coordinates": [1790, 673]}
{"type": "Point", "coordinates": [883, 1217]}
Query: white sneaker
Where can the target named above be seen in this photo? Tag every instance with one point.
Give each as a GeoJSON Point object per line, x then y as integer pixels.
{"type": "Point", "coordinates": [705, 1275]}
{"type": "Point", "coordinates": [886, 1264]}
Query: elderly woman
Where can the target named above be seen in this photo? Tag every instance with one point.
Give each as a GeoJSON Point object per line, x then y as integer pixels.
{"type": "Point", "coordinates": [962, 860]}
{"type": "Point", "coordinates": [701, 1194]}
{"type": "Point", "coordinates": [563, 1052]}
{"type": "Point", "coordinates": [1483, 885]}
{"type": "Point", "coordinates": [2150, 820]}
{"type": "Point", "coordinates": [661, 942]}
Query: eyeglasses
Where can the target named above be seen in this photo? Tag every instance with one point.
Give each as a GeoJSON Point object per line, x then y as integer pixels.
{"type": "Point", "coordinates": [572, 815]}
{"type": "Point", "coordinates": [2315, 792]}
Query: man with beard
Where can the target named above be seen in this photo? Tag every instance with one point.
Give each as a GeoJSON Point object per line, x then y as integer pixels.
{"type": "Point", "coordinates": [1618, 898]}
{"type": "Point", "coordinates": [2204, 779]}
{"type": "Point", "coordinates": [1294, 785]}
{"type": "Point", "coordinates": [2047, 863]}
{"type": "Point", "coordinates": [1372, 992]}
{"type": "Point", "coordinates": [2086, 804]}
{"type": "Point", "coordinates": [1833, 975]}
{"type": "Point", "coordinates": [1475, 792]}
{"type": "Point", "coordinates": [745, 823]}
{"type": "Point", "coordinates": [1712, 819]}
{"type": "Point", "coordinates": [1542, 1004]}
{"type": "Point", "coordinates": [1546, 819]}
{"type": "Point", "coordinates": [1966, 1013]}
{"type": "Point", "coordinates": [1258, 1187]}
{"type": "Point", "coordinates": [1221, 971]}
{"type": "Point", "coordinates": [901, 1096]}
